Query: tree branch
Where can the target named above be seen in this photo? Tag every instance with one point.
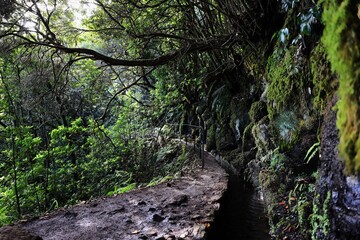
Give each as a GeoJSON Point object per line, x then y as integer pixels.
{"type": "Point", "coordinates": [219, 42]}
{"type": "Point", "coordinates": [121, 91]}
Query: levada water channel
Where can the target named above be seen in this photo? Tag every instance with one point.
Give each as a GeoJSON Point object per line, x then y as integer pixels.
{"type": "Point", "coordinates": [241, 215]}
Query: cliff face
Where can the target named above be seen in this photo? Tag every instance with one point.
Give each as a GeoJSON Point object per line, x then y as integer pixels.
{"type": "Point", "coordinates": [340, 193]}
{"type": "Point", "coordinates": [273, 119]}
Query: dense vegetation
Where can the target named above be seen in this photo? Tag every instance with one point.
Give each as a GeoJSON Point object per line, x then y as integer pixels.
{"type": "Point", "coordinates": [92, 92]}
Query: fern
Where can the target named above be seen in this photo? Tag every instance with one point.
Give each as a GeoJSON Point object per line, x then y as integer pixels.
{"type": "Point", "coordinates": [312, 151]}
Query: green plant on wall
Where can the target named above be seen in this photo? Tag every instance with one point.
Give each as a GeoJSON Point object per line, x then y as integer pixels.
{"type": "Point", "coordinates": [321, 77]}
{"type": "Point", "coordinates": [312, 151]}
{"type": "Point", "coordinates": [286, 75]}
{"type": "Point", "coordinates": [320, 221]}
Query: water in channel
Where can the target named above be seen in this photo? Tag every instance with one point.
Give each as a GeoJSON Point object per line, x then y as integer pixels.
{"type": "Point", "coordinates": [241, 215]}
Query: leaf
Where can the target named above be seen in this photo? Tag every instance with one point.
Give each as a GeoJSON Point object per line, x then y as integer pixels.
{"type": "Point", "coordinates": [312, 151]}
{"type": "Point", "coordinates": [284, 33]}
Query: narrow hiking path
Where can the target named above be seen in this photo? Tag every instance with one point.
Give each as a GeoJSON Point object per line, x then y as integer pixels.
{"type": "Point", "coordinates": [179, 209]}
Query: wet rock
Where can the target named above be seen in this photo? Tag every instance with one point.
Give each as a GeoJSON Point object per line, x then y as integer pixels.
{"type": "Point", "coordinates": [152, 209]}
{"type": "Point", "coordinates": [143, 237]}
{"type": "Point", "coordinates": [224, 139]}
{"type": "Point", "coordinates": [95, 204]}
{"type": "Point", "coordinates": [178, 200]}
{"type": "Point", "coordinates": [158, 218]}
{"type": "Point", "coordinates": [182, 236]}
{"type": "Point", "coordinates": [175, 217]}
{"type": "Point", "coordinates": [169, 237]}
{"type": "Point", "coordinates": [199, 231]}
{"type": "Point", "coordinates": [342, 193]}
{"type": "Point", "coordinates": [119, 210]}
{"type": "Point", "coordinates": [153, 234]}
{"type": "Point", "coordinates": [196, 217]}
{"type": "Point", "coordinates": [160, 238]}
{"type": "Point", "coordinates": [70, 214]}
{"type": "Point", "coordinates": [16, 232]}
{"type": "Point", "coordinates": [285, 125]}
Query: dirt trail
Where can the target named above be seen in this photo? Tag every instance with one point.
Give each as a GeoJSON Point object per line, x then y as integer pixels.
{"type": "Point", "coordinates": [180, 209]}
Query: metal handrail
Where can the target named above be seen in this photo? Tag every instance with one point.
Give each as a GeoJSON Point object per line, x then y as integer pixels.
{"type": "Point", "coordinates": [202, 138]}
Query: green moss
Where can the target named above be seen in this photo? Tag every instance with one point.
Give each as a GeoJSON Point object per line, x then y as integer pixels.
{"type": "Point", "coordinates": [321, 77]}
{"type": "Point", "coordinates": [286, 127]}
{"type": "Point", "coordinates": [224, 138]}
{"type": "Point", "coordinates": [287, 78]}
{"type": "Point", "coordinates": [239, 118]}
{"type": "Point", "coordinates": [210, 138]}
{"type": "Point", "coordinates": [304, 210]}
{"type": "Point", "coordinates": [257, 111]}
{"type": "Point", "coordinates": [260, 132]}
{"type": "Point", "coordinates": [269, 181]}
{"type": "Point", "coordinates": [342, 41]}
{"type": "Point", "coordinates": [247, 134]}
{"type": "Point", "coordinates": [239, 162]}
{"type": "Point", "coordinates": [320, 221]}
{"type": "Point", "coordinates": [221, 100]}
{"type": "Point", "coordinates": [278, 162]}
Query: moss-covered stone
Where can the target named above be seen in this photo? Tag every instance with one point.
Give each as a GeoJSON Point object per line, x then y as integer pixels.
{"type": "Point", "coordinates": [239, 118]}
{"type": "Point", "coordinates": [210, 137]}
{"type": "Point", "coordinates": [261, 133]}
{"type": "Point", "coordinates": [342, 41]}
{"type": "Point", "coordinates": [221, 99]}
{"type": "Point", "coordinates": [288, 79]}
{"type": "Point", "coordinates": [321, 77]}
{"type": "Point", "coordinates": [257, 111]}
{"type": "Point", "coordinates": [237, 159]}
{"type": "Point", "coordinates": [286, 126]}
{"type": "Point", "coordinates": [269, 181]}
{"type": "Point", "coordinates": [320, 220]}
{"type": "Point", "coordinates": [224, 138]}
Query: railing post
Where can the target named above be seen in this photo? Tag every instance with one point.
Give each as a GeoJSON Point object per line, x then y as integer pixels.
{"type": "Point", "coordinates": [202, 140]}
{"type": "Point", "coordinates": [202, 148]}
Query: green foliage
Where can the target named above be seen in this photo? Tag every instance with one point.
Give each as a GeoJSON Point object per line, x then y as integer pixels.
{"type": "Point", "coordinates": [278, 161]}
{"type": "Point", "coordinates": [287, 78]}
{"type": "Point", "coordinates": [312, 151]}
{"type": "Point", "coordinates": [247, 134]}
{"type": "Point", "coordinates": [289, 4]}
{"type": "Point", "coordinates": [286, 129]}
{"type": "Point", "coordinates": [83, 160]}
{"type": "Point", "coordinates": [321, 77]}
{"type": "Point", "coordinates": [341, 39]}
{"type": "Point", "coordinates": [270, 178]}
{"type": "Point", "coordinates": [126, 183]}
{"type": "Point", "coordinates": [79, 145]}
{"type": "Point", "coordinates": [320, 220]}
{"type": "Point", "coordinates": [257, 111]}
{"type": "Point", "coordinates": [159, 180]}
{"type": "Point", "coordinates": [221, 102]}
{"type": "Point", "coordinates": [20, 192]}
{"type": "Point", "coordinates": [125, 189]}
{"type": "Point", "coordinates": [308, 19]}
{"type": "Point", "coordinates": [210, 137]}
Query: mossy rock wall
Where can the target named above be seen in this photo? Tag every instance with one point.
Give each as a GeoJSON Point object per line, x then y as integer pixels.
{"type": "Point", "coordinates": [342, 41]}
{"type": "Point", "coordinates": [284, 124]}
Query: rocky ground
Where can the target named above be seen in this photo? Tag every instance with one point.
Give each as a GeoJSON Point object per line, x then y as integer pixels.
{"type": "Point", "coordinates": [179, 209]}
